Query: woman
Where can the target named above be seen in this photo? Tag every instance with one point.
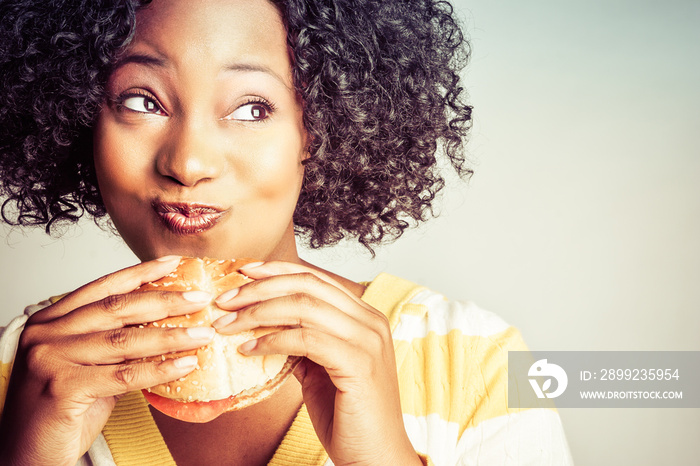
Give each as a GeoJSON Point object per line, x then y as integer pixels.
{"type": "Point", "coordinates": [223, 128]}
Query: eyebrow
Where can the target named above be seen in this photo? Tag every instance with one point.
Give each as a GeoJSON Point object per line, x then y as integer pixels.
{"type": "Point", "coordinates": [156, 62]}
{"type": "Point", "coordinates": [140, 59]}
{"type": "Point", "coordinates": [248, 67]}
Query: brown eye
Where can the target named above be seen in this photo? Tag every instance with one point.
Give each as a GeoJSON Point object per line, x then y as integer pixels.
{"type": "Point", "coordinates": [141, 104]}
{"type": "Point", "coordinates": [250, 112]}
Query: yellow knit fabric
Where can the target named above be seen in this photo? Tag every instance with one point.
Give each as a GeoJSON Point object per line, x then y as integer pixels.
{"type": "Point", "coordinates": [132, 434]}
{"type": "Point", "coordinates": [5, 370]}
{"type": "Point", "coordinates": [300, 445]}
{"type": "Point", "coordinates": [134, 439]}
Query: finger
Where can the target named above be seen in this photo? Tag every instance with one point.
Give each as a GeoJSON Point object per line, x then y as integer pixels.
{"type": "Point", "coordinates": [122, 281]}
{"type": "Point", "coordinates": [123, 344]}
{"type": "Point", "coordinates": [290, 284]}
{"type": "Point", "coordinates": [332, 353]}
{"type": "Point", "coordinates": [258, 270]}
{"type": "Point", "coordinates": [295, 310]}
{"type": "Point", "coordinates": [116, 311]}
{"type": "Point", "coordinates": [118, 379]}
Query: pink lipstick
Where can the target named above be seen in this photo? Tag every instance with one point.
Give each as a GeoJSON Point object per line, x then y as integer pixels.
{"type": "Point", "coordinates": [184, 218]}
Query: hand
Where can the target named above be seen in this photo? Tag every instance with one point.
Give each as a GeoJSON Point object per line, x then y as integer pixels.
{"type": "Point", "coordinates": [70, 365]}
{"type": "Point", "coordinates": [348, 376]}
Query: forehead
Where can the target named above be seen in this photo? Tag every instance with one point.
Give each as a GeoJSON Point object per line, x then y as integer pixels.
{"type": "Point", "coordinates": [213, 31]}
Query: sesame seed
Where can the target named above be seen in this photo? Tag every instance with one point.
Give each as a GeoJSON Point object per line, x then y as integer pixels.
{"type": "Point", "coordinates": [140, 326]}
{"type": "Point", "coordinates": [167, 388]}
{"type": "Point", "coordinates": [177, 390]}
{"type": "Point", "coordinates": [162, 357]}
{"type": "Point", "coordinates": [187, 316]}
{"type": "Point", "coordinates": [194, 382]}
{"type": "Point", "coordinates": [155, 324]}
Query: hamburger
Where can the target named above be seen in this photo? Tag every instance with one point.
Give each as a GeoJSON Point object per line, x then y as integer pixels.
{"type": "Point", "coordinates": [224, 379]}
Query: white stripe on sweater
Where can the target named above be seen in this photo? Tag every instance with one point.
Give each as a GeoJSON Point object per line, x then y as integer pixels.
{"type": "Point", "coordinates": [445, 316]}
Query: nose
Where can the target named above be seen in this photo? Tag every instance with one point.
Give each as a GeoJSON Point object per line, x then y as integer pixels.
{"type": "Point", "coordinates": [190, 155]}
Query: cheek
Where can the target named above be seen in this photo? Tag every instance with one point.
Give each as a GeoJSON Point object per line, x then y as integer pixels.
{"type": "Point", "coordinates": [278, 167]}
{"type": "Point", "coordinates": [282, 180]}
{"type": "Point", "coordinates": [103, 148]}
{"type": "Point", "coordinates": [119, 164]}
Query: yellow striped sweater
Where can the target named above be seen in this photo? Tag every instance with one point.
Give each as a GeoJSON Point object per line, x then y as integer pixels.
{"type": "Point", "coordinates": [452, 366]}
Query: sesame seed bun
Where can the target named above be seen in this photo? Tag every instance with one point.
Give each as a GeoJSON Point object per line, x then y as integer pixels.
{"type": "Point", "coordinates": [222, 372]}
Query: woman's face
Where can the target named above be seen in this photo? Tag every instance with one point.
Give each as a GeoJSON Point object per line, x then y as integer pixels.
{"type": "Point", "coordinates": [198, 150]}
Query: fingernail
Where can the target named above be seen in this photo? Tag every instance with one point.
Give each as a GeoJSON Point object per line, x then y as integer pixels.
{"type": "Point", "coordinates": [225, 320]}
{"type": "Point", "coordinates": [227, 296]}
{"type": "Point", "coordinates": [197, 296]}
{"type": "Point", "coordinates": [248, 346]}
{"type": "Point", "coordinates": [201, 333]}
{"type": "Point", "coordinates": [186, 362]}
{"type": "Point", "coordinates": [252, 265]}
{"type": "Point", "coordinates": [169, 258]}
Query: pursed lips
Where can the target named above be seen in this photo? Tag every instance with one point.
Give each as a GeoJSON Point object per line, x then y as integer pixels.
{"type": "Point", "coordinates": [184, 218]}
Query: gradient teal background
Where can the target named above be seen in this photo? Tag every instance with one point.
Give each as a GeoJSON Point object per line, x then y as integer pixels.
{"type": "Point", "coordinates": [581, 225]}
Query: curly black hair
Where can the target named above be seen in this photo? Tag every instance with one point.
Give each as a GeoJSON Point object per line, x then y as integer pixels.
{"type": "Point", "coordinates": [379, 82]}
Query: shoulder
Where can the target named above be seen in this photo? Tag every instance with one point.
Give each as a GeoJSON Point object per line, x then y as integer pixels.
{"type": "Point", "coordinates": [16, 325]}
{"type": "Point", "coordinates": [451, 356]}
{"type": "Point", "coordinates": [9, 335]}
{"type": "Point", "coordinates": [9, 339]}
{"type": "Point", "coordinates": [415, 311]}
{"type": "Point", "coordinates": [465, 348]}
{"type": "Point", "coordinates": [452, 361]}
{"type": "Point", "coordinates": [431, 312]}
